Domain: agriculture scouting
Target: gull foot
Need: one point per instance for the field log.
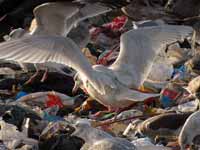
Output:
(45, 75)
(32, 78)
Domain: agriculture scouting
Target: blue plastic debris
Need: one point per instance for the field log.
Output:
(20, 94)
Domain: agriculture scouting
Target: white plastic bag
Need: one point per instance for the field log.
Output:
(11, 137)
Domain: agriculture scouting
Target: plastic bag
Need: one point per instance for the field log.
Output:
(189, 106)
(161, 71)
(12, 138)
(47, 99)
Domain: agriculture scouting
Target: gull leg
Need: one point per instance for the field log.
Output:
(117, 111)
(120, 110)
(100, 113)
(32, 78)
(45, 75)
(112, 110)
(3, 17)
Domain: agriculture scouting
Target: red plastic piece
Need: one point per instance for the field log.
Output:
(54, 100)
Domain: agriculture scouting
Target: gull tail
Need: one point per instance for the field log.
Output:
(136, 96)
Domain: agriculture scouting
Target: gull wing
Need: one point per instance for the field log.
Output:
(138, 49)
(51, 18)
(91, 10)
(58, 18)
(41, 49)
(80, 35)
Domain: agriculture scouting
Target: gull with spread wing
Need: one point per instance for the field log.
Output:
(112, 86)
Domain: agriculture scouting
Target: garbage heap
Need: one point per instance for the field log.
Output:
(44, 114)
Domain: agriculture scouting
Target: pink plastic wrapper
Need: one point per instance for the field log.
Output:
(117, 24)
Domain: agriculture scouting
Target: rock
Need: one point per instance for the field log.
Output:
(164, 125)
(191, 8)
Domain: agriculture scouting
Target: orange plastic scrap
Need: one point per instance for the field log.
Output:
(54, 100)
(144, 89)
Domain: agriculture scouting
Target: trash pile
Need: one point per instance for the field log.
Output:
(51, 106)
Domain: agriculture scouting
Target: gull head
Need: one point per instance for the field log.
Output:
(85, 131)
(15, 34)
(78, 83)
(82, 128)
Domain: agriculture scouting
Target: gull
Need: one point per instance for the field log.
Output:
(98, 139)
(58, 19)
(112, 86)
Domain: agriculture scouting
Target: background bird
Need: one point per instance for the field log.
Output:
(98, 139)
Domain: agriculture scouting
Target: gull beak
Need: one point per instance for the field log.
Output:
(76, 86)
